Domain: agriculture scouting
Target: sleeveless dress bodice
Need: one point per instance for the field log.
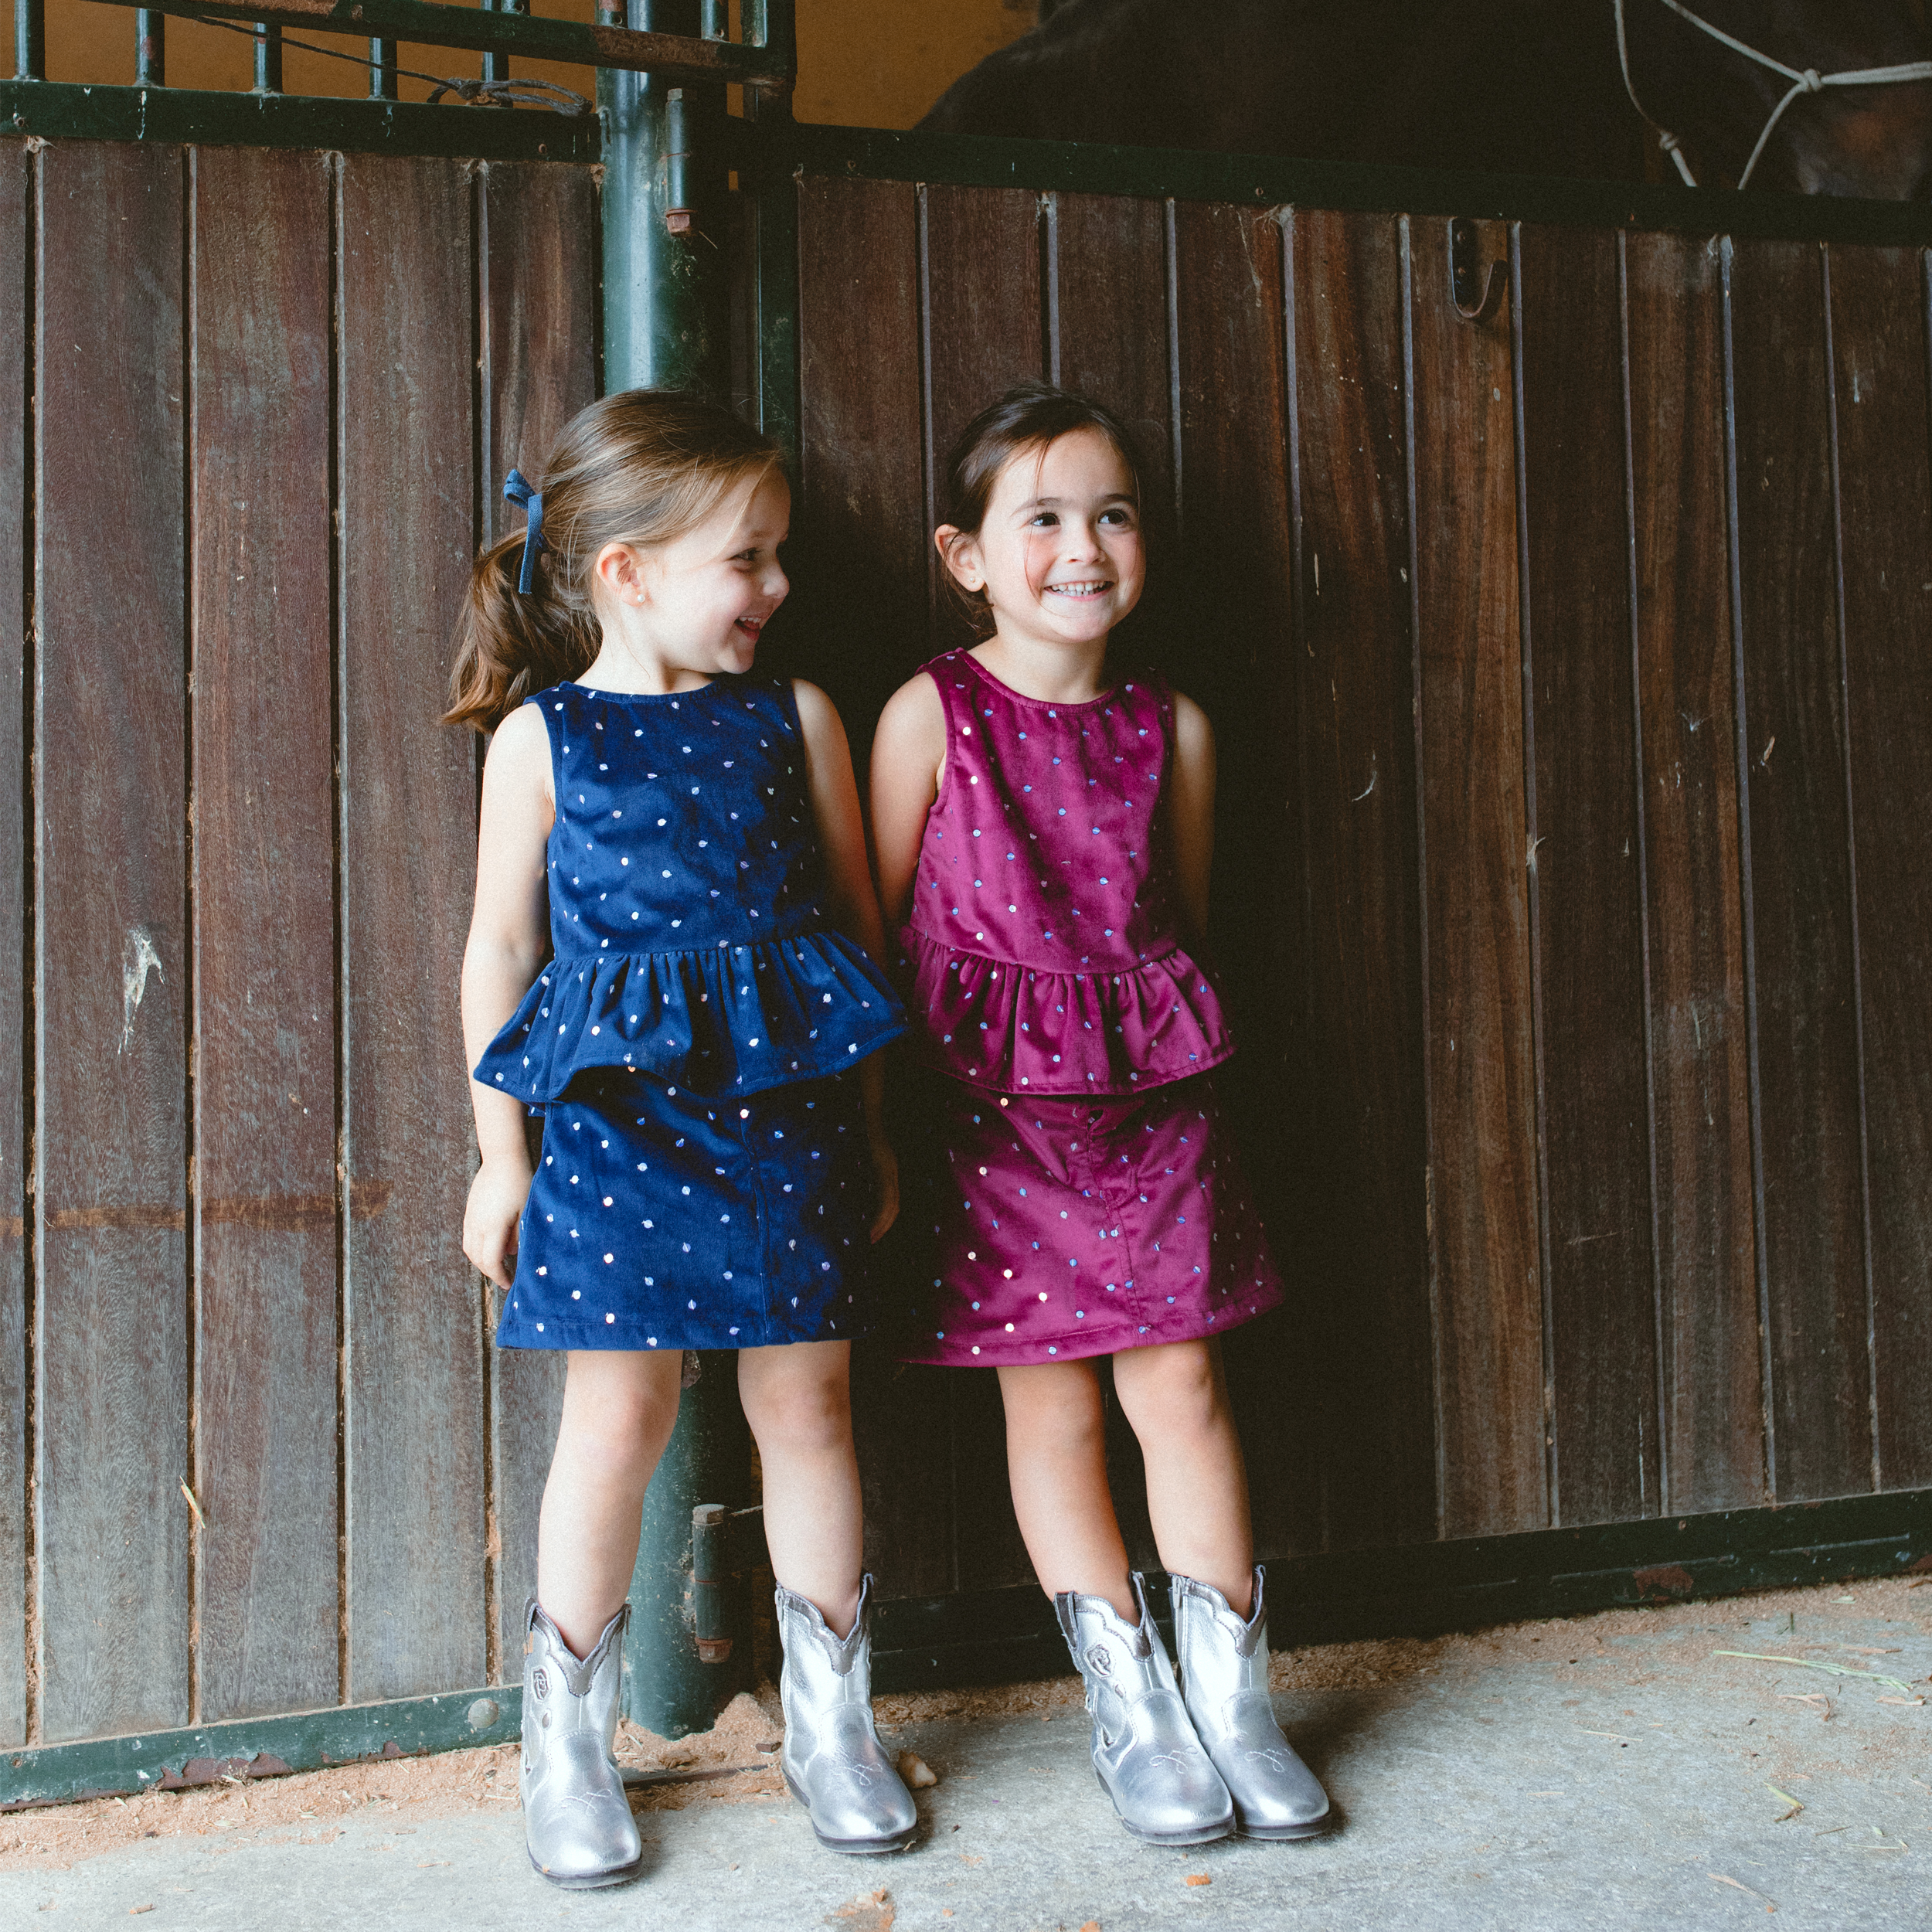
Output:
(686, 888)
(1041, 940)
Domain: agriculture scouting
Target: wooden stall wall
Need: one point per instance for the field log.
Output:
(1566, 667)
(1562, 668)
(258, 1455)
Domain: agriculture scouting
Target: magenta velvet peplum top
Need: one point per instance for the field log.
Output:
(1041, 941)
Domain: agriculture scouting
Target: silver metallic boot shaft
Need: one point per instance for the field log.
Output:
(833, 1761)
(1145, 1754)
(1224, 1674)
(576, 1820)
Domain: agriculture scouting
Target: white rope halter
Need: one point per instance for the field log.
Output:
(1808, 82)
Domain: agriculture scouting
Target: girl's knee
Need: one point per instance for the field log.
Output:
(1053, 1410)
(1175, 1389)
(798, 1413)
(618, 1414)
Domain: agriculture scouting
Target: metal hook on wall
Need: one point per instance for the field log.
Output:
(1465, 270)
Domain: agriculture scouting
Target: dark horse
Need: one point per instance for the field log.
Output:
(1524, 87)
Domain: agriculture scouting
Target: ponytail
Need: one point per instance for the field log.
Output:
(510, 645)
(642, 467)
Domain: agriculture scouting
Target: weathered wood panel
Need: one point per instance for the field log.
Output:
(16, 187)
(1233, 652)
(416, 1449)
(1106, 312)
(1109, 308)
(539, 320)
(1362, 1243)
(264, 993)
(1712, 1386)
(1585, 874)
(984, 326)
(1480, 1060)
(860, 605)
(111, 1202)
(1799, 856)
(1879, 338)
(858, 618)
(984, 330)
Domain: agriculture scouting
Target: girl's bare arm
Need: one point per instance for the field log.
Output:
(1191, 811)
(508, 941)
(855, 907)
(908, 759)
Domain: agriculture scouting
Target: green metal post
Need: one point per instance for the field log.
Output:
(667, 325)
(151, 49)
(666, 298)
(773, 196)
(29, 40)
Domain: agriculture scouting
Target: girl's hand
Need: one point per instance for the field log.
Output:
(885, 1167)
(490, 1220)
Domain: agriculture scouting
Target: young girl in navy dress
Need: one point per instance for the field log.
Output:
(1043, 826)
(669, 959)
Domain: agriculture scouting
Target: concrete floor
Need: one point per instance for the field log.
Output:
(1604, 1772)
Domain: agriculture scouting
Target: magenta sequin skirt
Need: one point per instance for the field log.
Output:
(1071, 1227)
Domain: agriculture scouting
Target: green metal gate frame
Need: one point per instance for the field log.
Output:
(662, 132)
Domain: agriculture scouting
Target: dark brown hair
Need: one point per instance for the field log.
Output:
(1030, 416)
(643, 466)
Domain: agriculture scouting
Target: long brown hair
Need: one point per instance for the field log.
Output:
(643, 466)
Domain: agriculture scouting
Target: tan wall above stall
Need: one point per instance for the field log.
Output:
(869, 63)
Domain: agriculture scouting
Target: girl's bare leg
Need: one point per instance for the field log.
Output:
(797, 1399)
(1056, 1456)
(618, 1408)
(1197, 1484)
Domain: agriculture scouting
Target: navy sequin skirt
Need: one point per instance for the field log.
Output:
(662, 1219)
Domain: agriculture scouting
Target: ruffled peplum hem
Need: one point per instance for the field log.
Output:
(1019, 1029)
(714, 1020)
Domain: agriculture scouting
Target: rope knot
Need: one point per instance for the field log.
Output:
(1812, 81)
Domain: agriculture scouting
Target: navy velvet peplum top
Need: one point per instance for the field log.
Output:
(686, 887)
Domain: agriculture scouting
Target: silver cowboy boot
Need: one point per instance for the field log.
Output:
(576, 1820)
(833, 1763)
(1145, 1754)
(1224, 1672)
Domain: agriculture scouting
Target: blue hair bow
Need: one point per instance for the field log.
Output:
(517, 490)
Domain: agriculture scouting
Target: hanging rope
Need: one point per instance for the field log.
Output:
(535, 93)
(1806, 81)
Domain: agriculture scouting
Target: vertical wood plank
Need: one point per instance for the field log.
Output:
(857, 623)
(1364, 1245)
(111, 1196)
(264, 993)
(1711, 1366)
(984, 302)
(1107, 310)
(15, 490)
(1479, 1051)
(539, 336)
(1110, 266)
(415, 1377)
(1234, 657)
(856, 620)
(1588, 870)
(1879, 339)
(1813, 1258)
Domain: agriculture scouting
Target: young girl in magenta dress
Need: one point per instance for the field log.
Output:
(1042, 824)
(668, 960)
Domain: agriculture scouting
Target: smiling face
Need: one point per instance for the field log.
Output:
(1058, 554)
(681, 613)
